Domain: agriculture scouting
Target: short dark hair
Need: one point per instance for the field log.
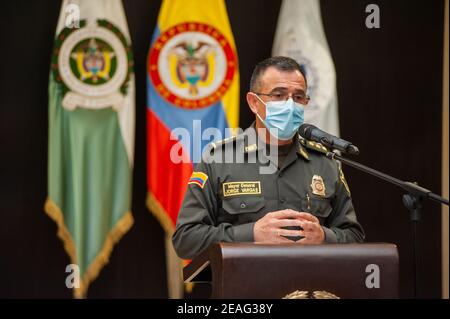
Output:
(281, 63)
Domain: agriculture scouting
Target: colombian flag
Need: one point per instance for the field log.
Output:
(193, 84)
(198, 178)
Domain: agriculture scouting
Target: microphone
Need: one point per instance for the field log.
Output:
(312, 133)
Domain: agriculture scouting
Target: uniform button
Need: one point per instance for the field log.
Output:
(243, 205)
(282, 200)
(280, 174)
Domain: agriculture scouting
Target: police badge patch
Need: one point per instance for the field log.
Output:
(318, 186)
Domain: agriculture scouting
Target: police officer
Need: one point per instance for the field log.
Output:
(281, 190)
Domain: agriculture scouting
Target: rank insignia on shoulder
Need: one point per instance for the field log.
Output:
(314, 146)
(318, 186)
(198, 178)
(344, 181)
(251, 148)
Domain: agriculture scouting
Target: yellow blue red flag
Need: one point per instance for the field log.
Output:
(193, 84)
(192, 76)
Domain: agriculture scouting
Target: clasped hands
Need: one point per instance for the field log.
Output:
(269, 229)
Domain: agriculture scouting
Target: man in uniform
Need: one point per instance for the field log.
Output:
(291, 194)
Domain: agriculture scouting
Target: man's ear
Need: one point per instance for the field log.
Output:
(252, 101)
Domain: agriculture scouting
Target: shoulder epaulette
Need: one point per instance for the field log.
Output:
(219, 145)
(314, 146)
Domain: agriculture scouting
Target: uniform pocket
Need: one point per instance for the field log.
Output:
(318, 206)
(243, 204)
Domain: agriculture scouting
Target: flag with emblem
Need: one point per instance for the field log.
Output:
(300, 35)
(91, 134)
(193, 84)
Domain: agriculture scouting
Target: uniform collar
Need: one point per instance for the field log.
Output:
(297, 148)
(300, 149)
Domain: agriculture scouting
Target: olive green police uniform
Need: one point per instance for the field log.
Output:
(225, 199)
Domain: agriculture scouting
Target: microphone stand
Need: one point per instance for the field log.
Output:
(412, 200)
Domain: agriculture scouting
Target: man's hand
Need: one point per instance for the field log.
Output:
(269, 228)
(312, 231)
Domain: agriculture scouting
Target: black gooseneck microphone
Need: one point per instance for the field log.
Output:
(312, 133)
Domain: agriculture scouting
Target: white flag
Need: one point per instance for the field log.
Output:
(300, 35)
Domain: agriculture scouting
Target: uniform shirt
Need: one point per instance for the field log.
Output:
(283, 151)
(224, 199)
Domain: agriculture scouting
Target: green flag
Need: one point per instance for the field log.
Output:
(91, 133)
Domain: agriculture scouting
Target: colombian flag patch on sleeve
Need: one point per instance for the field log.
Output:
(198, 178)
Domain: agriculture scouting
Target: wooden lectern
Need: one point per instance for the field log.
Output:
(249, 270)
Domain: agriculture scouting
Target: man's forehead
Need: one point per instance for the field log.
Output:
(273, 77)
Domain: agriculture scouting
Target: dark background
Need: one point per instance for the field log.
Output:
(389, 88)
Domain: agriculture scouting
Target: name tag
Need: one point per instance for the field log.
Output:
(241, 188)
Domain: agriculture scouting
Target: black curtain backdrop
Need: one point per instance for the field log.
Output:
(389, 84)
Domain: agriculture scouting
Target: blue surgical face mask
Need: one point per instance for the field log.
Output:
(284, 116)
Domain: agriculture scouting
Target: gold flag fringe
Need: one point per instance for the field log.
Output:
(162, 216)
(122, 226)
(160, 213)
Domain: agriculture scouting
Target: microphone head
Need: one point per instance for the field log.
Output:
(312, 133)
(352, 149)
(305, 130)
